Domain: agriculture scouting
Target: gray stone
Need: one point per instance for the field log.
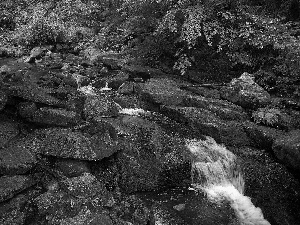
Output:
(8, 129)
(12, 185)
(245, 92)
(287, 149)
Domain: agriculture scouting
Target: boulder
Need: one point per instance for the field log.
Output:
(287, 149)
(27, 109)
(205, 92)
(126, 88)
(245, 92)
(55, 117)
(230, 133)
(3, 99)
(151, 158)
(66, 143)
(12, 185)
(100, 106)
(35, 53)
(17, 157)
(8, 129)
(71, 167)
(144, 72)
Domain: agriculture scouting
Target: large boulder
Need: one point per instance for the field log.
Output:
(151, 157)
(210, 124)
(17, 157)
(245, 92)
(9, 129)
(287, 149)
(12, 185)
(66, 143)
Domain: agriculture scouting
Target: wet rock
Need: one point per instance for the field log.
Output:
(287, 149)
(56, 117)
(66, 143)
(208, 123)
(8, 129)
(17, 157)
(100, 106)
(72, 168)
(245, 92)
(12, 185)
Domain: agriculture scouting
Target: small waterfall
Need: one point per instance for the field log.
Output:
(216, 172)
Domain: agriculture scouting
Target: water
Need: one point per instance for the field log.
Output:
(216, 173)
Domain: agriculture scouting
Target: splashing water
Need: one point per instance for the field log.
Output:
(216, 172)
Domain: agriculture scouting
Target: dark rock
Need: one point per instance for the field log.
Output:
(245, 92)
(72, 168)
(162, 92)
(76, 102)
(12, 212)
(261, 137)
(287, 149)
(35, 94)
(126, 88)
(8, 130)
(102, 106)
(78, 200)
(66, 143)
(208, 123)
(205, 92)
(12, 185)
(27, 109)
(17, 157)
(143, 72)
(224, 109)
(56, 117)
(151, 158)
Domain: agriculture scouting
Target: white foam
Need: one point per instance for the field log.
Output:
(215, 171)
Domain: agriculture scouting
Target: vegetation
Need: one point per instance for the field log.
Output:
(215, 37)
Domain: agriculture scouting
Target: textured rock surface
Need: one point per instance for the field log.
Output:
(245, 92)
(287, 149)
(8, 129)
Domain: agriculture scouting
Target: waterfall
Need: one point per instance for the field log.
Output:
(215, 172)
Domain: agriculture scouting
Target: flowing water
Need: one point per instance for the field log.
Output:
(216, 173)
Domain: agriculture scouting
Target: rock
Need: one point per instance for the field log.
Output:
(208, 123)
(78, 200)
(27, 109)
(162, 92)
(5, 69)
(144, 72)
(17, 157)
(8, 130)
(261, 137)
(12, 185)
(12, 212)
(66, 143)
(151, 158)
(287, 149)
(245, 92)
(56, 117)
(205, 92)
(72, 168)
(102, 106)
(35, 94)
(224, 109)
(126, 88)
(35, 53)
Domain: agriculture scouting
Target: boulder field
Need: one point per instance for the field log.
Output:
(81, 136)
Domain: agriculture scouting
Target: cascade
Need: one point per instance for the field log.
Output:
(215, 172)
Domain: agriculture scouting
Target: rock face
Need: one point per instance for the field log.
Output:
(8, 129)
(287, 149)
(12, 185)
(245, 92)
(17, 157)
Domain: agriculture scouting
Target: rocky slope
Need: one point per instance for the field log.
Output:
(82, 134)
